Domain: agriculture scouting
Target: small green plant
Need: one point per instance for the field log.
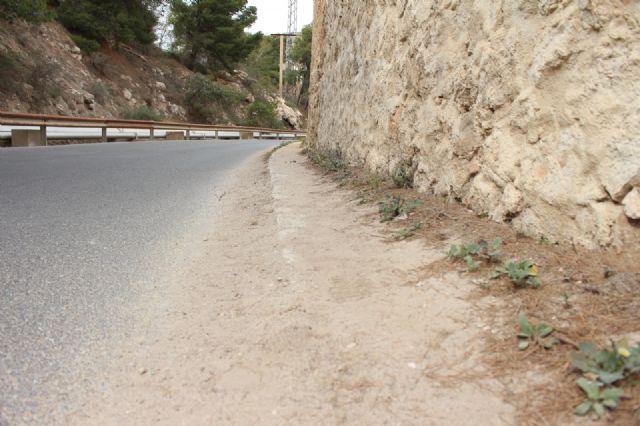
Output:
(405, 233)
(470, 252)
(539, 334)
(604, 368)
(465, 252)
(329, 160)
(491, 253)
(607, 365)
(522, 273)
(597, 400)
(144, 112)
(395, 206)
(402, 176)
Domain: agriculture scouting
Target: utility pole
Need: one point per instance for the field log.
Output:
(286, 42)
(281, 86)
(292, 28)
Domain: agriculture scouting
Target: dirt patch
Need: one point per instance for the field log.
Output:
(296, 310)
(585, 296)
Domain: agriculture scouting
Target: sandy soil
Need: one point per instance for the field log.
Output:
(297, 310)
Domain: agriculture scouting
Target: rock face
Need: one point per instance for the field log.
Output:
(526, 110)
(289, 115)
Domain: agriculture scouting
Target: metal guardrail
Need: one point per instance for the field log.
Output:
(43, 121)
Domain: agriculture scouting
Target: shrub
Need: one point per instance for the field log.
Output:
(99, 90)
(10, 70)
(328, 159)
(208, 99)
(42, 78)
(144, 112)
(110, 20)
(35, 11)
(402, 176)
(263, 114)
(87, 45)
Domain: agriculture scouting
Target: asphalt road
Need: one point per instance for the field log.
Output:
(83, 230)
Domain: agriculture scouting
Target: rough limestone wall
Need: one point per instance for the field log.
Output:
(526, 110)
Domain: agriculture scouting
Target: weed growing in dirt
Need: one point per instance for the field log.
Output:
(395, 206)
(597, 401)
(471, 252)
(523, 273)
(329, 160)
(604, 368)
(539, 334)
(405, 233)
(402, 176)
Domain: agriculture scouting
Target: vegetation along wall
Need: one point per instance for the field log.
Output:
(525, 110)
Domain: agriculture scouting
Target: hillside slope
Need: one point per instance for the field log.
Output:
(43, 71)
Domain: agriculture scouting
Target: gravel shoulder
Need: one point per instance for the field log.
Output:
(296, 309)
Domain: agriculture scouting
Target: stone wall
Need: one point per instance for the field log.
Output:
(526, 110)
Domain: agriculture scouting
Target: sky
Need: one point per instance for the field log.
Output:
(273, 15)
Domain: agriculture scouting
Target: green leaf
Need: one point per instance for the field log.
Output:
(612, 393)
(579, 361)
(523, 345)
(496, 243)
(471, 264)
(543, 330)
(495, 274)
(609, 378)
(611, 403)
(583, 409)
(587, 347)
(599, 409)
(591, 388)
(525, 327)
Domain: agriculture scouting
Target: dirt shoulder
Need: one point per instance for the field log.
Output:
(298, 310)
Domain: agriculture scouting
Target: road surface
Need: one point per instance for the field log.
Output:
(84, 231)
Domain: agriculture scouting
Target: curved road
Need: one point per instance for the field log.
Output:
(84, 230)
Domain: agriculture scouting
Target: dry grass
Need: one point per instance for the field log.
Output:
(576, 298)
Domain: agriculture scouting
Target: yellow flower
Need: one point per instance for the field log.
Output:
(624, 352)
(533, 271)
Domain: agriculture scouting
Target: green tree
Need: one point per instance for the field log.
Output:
(210, 34)
(301, 55)
(115, 21)
(263, 64)
(35, 11)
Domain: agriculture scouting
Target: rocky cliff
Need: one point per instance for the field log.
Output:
(525, 110)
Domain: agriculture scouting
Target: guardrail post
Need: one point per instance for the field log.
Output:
(188, 137)
(43, 135)
(216, 135)
(104, 135)
(152, 134)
